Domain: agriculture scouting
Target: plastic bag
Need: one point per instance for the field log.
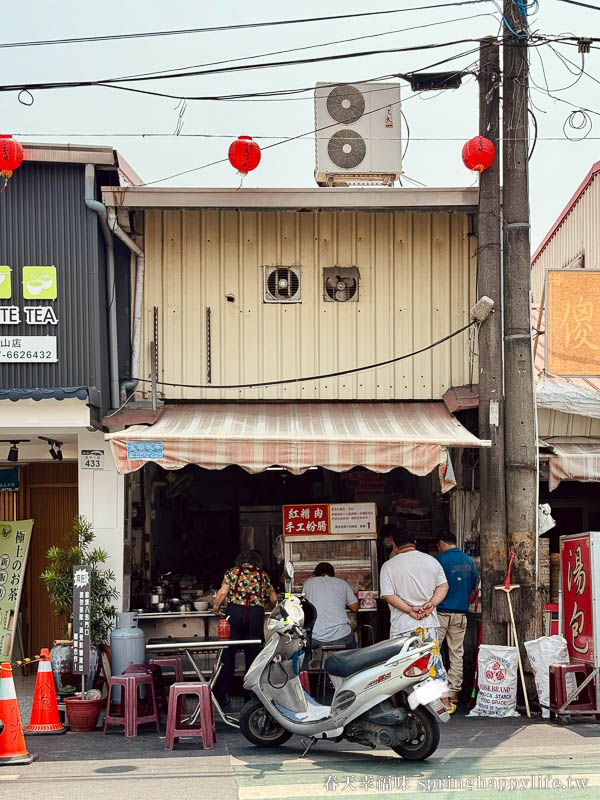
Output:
(545, 519)
(498, 669)
(541, 653)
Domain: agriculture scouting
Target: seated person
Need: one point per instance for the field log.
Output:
(332, 597)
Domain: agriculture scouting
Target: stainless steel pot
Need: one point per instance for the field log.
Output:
(157, 598)
(159, 606)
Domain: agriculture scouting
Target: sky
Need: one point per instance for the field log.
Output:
(439, 122)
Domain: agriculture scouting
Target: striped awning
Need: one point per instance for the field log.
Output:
(573, 458)
(297, 436)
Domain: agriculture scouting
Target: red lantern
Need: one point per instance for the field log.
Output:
(244, 154)
(11, 157)
(478, 153)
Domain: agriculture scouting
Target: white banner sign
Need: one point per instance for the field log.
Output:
(353, 518)
(27, 348)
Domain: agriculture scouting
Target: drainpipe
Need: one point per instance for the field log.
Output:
(113, 353)
(130, 385)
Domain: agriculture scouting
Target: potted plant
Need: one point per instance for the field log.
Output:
(58, 578)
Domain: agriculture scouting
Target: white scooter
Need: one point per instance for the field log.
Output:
(384, 695)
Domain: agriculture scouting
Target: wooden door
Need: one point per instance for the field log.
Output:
(52, 504)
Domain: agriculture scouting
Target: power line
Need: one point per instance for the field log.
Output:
(111, 82)
(338, 374)
(237, 27)
(578, 3)
(312, 46)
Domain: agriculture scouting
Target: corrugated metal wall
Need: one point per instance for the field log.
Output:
(580, 232)
(555, 423)
(44, 222)
(417, 285)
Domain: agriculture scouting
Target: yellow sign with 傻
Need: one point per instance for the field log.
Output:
(573, 322)
(39, 283)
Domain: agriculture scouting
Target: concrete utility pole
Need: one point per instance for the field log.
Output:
(520, 430)
(492, 518)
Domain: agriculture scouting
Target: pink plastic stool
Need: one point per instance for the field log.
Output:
(155, 671)
(131, 716)
(170, 662)
(205, 727)
(558, 688)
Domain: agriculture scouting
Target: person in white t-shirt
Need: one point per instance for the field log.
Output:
(333, 598)
(413, 584)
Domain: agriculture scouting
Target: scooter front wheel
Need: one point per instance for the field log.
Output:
(426, 736)
(259, 727)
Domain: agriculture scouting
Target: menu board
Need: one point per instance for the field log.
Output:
(353, 517)
(14, 547)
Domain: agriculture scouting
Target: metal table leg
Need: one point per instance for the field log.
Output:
(211, 680)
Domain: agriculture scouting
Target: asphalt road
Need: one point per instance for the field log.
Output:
(479, 758)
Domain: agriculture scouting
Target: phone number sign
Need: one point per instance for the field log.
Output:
(27, 348)
(307, 519)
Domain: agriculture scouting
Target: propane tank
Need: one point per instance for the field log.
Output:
(224, 629)
(127, 645)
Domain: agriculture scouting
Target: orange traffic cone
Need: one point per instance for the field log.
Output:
(44, 712)
(12, 741)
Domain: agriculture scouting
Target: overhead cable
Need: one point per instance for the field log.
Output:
(236, 27)
(338, 374)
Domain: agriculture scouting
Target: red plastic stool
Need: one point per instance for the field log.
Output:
(170, 662)
(205, 727)
(131, 717)
(155, 671)
(585, 701)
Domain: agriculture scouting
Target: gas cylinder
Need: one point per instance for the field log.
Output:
(224, 630)
(127, 645)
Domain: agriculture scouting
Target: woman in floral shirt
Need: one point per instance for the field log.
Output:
(246, 589)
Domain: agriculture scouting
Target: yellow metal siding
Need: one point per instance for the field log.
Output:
(417, 283)
(579, 232)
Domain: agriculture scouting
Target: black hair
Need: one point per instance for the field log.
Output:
(403, 537)
(252, 557)
(324, 568)
(387, 530)
(446, 536)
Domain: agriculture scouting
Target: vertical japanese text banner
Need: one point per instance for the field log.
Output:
(578, 621)
(14, 546)
(82, 585)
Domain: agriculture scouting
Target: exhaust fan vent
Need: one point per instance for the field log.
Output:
(340, 284)
(282, 285)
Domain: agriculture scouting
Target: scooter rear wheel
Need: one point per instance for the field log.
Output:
(427, 736)
(259, 727)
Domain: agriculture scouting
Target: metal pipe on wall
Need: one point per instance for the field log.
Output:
(113, 224)
(100, 209)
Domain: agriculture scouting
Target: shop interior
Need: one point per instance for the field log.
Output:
(189, 525)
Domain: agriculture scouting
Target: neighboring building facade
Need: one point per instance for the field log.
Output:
(568, 407)
(55, 369)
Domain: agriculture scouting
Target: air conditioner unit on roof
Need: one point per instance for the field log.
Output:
(358, 136)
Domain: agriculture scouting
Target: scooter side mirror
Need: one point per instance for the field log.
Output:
(289, 577)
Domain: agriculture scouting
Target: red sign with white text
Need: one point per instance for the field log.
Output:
(576, 577)
(308, 519)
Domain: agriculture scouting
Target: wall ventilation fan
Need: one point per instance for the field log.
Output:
(281, 285)
(340, 284)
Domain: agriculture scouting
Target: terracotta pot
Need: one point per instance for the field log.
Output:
(82, 715)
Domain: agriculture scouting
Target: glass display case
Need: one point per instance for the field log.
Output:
(354, 558)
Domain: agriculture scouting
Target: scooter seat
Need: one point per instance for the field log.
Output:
(347, 662)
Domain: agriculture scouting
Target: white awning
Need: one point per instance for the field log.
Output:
(297, 436)
(573, 458)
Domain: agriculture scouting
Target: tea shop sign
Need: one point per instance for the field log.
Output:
(580, 576)
(29, 349)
